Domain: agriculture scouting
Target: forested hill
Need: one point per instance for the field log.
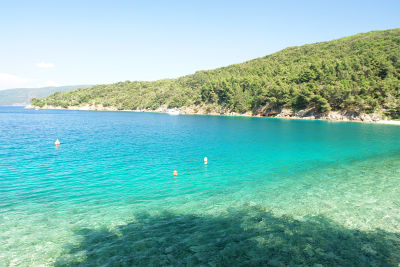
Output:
(22, 96)
(359, 73)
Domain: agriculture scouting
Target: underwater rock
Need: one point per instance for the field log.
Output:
(202, 256)
(309, 252)
(275, 262)
(171, 258)
(331, 255)
(169, 249)
(198, 248)
(366, 248)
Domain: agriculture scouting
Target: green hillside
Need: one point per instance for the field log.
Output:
(22, 96)
(359, 73)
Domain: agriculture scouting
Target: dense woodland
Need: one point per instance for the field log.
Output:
(360, 73)
(22, 96)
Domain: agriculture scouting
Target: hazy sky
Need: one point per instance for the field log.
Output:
(88, 42)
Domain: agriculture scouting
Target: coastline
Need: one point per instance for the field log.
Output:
(334, 116)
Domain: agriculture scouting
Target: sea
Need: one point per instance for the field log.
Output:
(274, 192)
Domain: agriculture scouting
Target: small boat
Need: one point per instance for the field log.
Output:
(173, 111)
(36, 109)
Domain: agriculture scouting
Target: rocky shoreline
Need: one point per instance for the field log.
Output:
(307, 114)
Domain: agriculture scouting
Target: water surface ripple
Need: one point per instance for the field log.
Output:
(274, 192)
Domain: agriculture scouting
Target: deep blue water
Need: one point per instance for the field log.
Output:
(112, 176)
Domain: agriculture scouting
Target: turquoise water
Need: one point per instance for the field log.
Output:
(274, 192)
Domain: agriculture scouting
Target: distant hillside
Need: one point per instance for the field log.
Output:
(360, 73)
(23, 96)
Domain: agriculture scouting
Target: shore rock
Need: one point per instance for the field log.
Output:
(309, 114)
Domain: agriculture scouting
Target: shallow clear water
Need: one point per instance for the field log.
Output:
(274, 192)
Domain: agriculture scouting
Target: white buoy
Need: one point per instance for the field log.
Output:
(57, 142)
(205, 160)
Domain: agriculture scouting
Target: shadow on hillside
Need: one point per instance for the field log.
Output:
(250, 236)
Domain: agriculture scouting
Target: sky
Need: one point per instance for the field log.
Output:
(50, 43)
